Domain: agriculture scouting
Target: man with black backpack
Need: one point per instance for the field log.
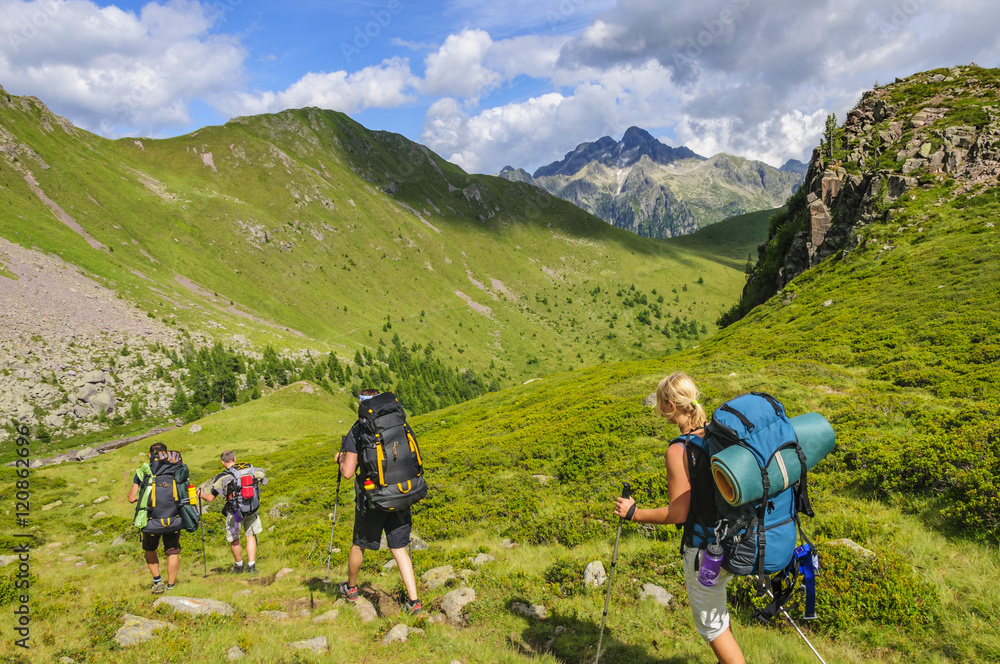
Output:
(240, 483)
(155, 488)
(382, 449)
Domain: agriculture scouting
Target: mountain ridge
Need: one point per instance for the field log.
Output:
(654, 190)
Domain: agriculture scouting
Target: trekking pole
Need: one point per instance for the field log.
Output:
(626, 492)
(201, 519)
(785, 613)
(329, 551)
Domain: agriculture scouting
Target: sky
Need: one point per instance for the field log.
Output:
(489, 84)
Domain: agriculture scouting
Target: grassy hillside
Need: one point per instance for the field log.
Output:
(304, 229)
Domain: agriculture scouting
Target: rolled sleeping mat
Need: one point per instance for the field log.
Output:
(737, 473)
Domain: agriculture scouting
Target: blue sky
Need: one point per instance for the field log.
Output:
(486, 84)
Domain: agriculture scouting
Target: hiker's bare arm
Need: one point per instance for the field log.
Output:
(348, 463)
(205, 495)
(133, 493)
(678, 490)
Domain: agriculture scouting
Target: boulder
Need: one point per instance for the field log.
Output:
(454, 602)
(234, 653)
(137, 629)
(481, 559)
(594, 575)
(658, 594)
(365, 610)
(104, 401)
(317, 645)
(399, 634)
(196, 606)
(436, 577)
(529, 611)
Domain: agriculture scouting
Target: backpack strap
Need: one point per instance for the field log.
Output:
(694, 507)
(147, 476)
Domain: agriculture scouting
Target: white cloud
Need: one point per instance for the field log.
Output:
(115, 71)
(383, 86)
(456, 69)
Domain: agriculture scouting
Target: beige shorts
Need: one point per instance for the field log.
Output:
(708, 603)
(251, 526)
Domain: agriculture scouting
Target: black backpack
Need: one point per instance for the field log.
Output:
(168, 480)
(388, 455)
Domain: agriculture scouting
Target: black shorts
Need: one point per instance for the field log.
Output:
(370, 523)
(171, 542)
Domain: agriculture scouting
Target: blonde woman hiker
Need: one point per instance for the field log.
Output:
(691, 494)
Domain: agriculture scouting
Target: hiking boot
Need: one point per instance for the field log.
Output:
(414, 607)
(348, 593)
(251, 569)
(236, 569)
(159, 588)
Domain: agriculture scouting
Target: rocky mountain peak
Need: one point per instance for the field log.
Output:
(635, 144)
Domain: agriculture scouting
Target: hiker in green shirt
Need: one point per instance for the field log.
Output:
(151, 542)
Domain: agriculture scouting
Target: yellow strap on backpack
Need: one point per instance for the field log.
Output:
(381, 463)
(407, 489)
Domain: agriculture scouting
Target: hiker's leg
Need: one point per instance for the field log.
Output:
(354, 560)
(233, 537)
(173, 564)
(397, 536)
(172, 550)
(726, 650)
(251, 549)
(252, 526)
(153, 562)
(150, 543)
(406, 571)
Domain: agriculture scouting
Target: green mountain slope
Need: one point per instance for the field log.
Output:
(306, 231)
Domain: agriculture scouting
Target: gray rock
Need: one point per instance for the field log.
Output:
(119, 540)
(137, 629)
(454, 602)
(282, 573)
(417, 544)
(851, 545)
(437, 577)
(658, 594)
(53, 421)
(650, 401)
(101, 499)
(195, 428)
(317, 645)
(275, 615)
(532, 611)
(196, 606)
(392, 564)
(234, 654)
(87, 453)
(99, 515)
(95, 376)
(507, 544)
(7, 560)
(399, 634)
(482, 559)
(85, 394)
(365, 610)
(81, 412)
(104, 401)
(46, 508)
(594, 575)
(329, 616)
